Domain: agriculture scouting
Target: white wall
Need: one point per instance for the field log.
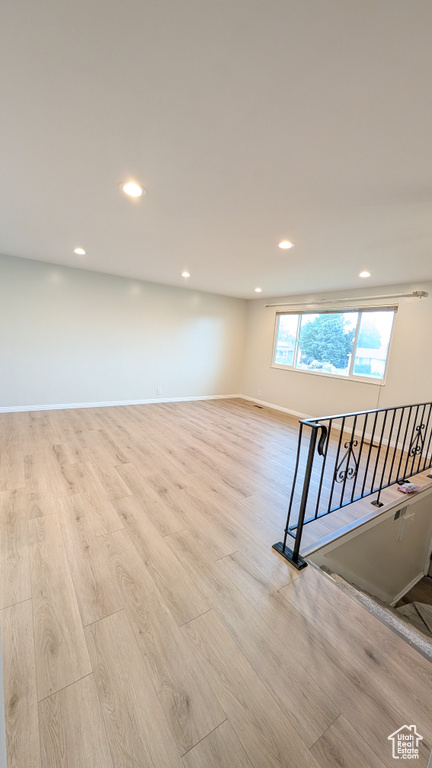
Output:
(386, 556)
(74, 336)
(409, 371)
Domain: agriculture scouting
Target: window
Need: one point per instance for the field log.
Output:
(353, 343)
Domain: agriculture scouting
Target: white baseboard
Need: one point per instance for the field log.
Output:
(275, 407)
(111, 404)
(147, 401)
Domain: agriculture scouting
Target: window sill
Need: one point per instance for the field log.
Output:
(358, 379)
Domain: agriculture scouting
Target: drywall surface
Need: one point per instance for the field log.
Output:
(409, 369)
(387, 556)
(75, 336)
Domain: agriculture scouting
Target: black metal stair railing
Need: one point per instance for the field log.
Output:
(344, 458)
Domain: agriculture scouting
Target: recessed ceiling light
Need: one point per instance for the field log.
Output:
(258, 290)
(285, 244)
(185, 274)
(132, 189)
(365, 273)
(79, 251)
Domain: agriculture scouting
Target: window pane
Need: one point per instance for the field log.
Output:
(373, 343)
(286, 339)
(326, 342)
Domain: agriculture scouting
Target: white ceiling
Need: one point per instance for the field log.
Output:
(247, 121)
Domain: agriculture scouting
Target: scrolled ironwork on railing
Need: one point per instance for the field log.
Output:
(344, 458)
(350, 471)
(417, 444)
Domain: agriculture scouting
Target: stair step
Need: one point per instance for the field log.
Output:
(425, 612)
(419, 615)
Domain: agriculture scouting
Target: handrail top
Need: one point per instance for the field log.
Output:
(316, 421)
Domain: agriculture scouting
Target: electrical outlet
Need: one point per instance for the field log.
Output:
(258, 391)
(159, 390)
(400, 513)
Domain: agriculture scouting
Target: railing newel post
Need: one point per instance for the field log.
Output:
(294, 555)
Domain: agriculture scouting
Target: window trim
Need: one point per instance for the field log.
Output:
(350, 376)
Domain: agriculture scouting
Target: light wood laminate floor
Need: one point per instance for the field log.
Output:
(145, 619)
